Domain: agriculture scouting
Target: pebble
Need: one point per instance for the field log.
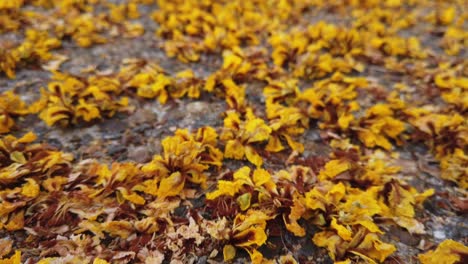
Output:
(197, 107)
(144, 116)
(139, 154)
(202, 260)
(439, 234)
(114, 149)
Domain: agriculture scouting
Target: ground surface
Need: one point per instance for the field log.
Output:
(406, 132)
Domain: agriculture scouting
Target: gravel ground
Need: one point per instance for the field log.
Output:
(136, 136)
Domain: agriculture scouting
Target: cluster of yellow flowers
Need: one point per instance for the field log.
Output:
(69, 99)
(192, 27)
(10, 15)
(26, 168)
(36, 47)
(305, 75)
(11, 105)
(73, 19)
(88, 191)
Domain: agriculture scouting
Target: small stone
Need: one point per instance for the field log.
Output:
(139, 154)
(114, 149)
(439, 234)
(142, 116)
(197, 107)
(180, 211)
(202, 260)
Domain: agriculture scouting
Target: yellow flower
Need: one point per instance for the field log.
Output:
(329, 240)
(237, 66)
(35, 47)
(229, 252)
(15, 221)
(183, 51)
(87, 111)
(15, 259)
(259, 179)
(70, 99)
(446, 16)
(186, 84)
(454, 167)
(54, 114)
(11, 4)
(244, 201)
(332, 101)
(129, 196)
(334, 168)
(120, 228)
(448, 251)
(10, 106)
(281, 91)
(99, 261)
(85, 30)
(153, 86)
(8, 62)
(235, 95)
(186, 157)
(366, 246)
(285, 122)
(249, 232)
(171, 186)
(359, 208)
(399, 202)
(297, 210)
(240, 136)
(341, 230)
(30, 189)
(379, 124)
(325, 194)
(372, 247)
(224, 188)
